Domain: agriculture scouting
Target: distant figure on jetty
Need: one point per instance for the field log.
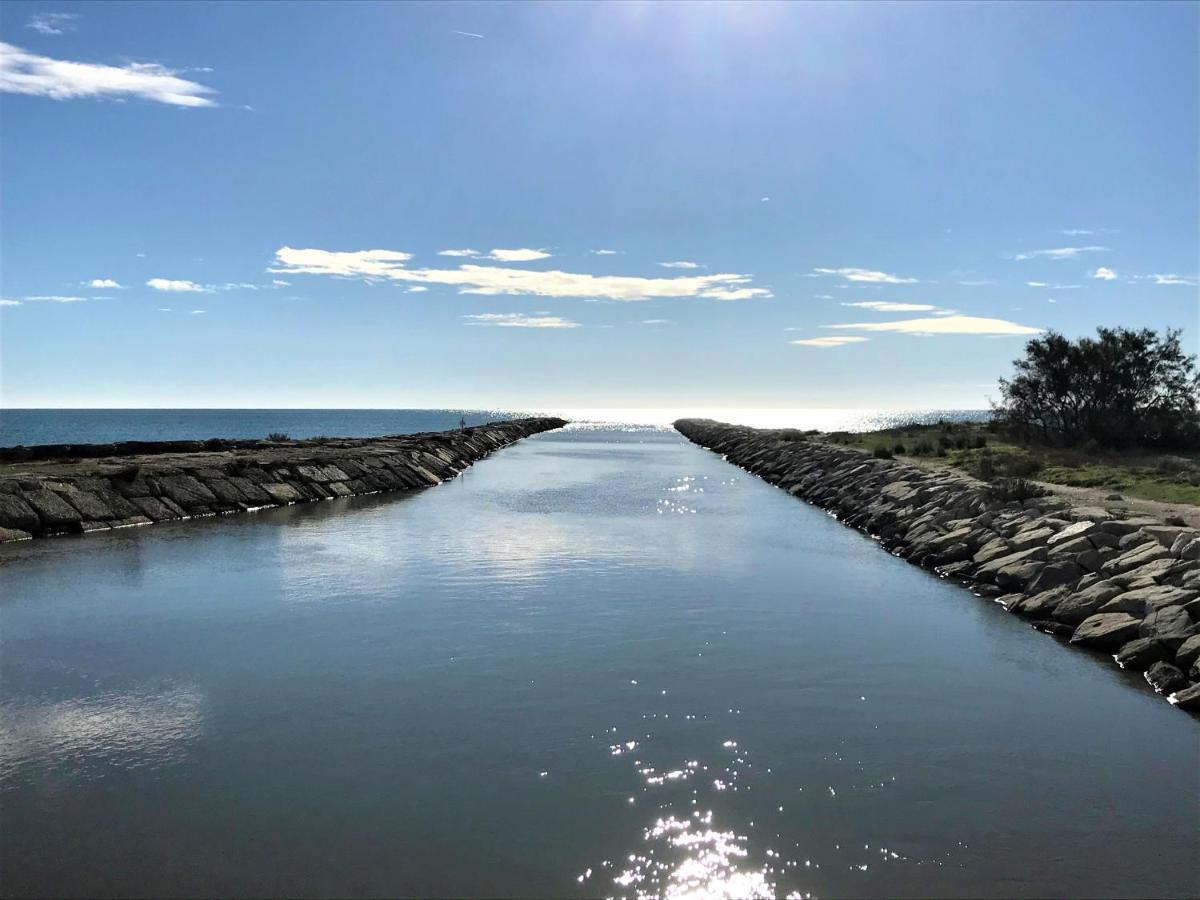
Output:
(462, 423)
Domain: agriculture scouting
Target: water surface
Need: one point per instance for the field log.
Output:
(600, 663)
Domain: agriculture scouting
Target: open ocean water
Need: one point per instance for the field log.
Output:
(96, 426)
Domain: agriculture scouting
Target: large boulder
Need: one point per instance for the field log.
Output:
(1106, 631)
(993, 549)
(1187, 698)
(1141, 653)
(1135, 558)
(1165, 678)
(1188, 652)
(1186, 546)
(1074, 609)
(18, 515)
(1171, 625)
(1041, 605)
(1057, 574)
(1078, 531)
(1143, 601)
(987, 572)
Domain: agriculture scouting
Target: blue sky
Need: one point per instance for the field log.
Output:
(878, 203)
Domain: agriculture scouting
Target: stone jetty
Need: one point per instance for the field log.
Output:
(1098, 579)
(75, 489)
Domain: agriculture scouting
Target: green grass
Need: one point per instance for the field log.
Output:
(980, 450)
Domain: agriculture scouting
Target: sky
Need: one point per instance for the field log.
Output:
(546, 205)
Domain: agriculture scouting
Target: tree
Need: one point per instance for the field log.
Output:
(1120, 388)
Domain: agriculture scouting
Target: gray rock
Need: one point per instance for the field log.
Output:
(54, 512)
(1183, 548)
(1075, 608)
(1072, 533)
(1188, 652)
(1106, 631)
(1164, 534)
(1041, 605)
(18, 515)
(1187, 698)
(1141, 653)
(1132, 559)
(1171, 625)
(987, 572)
(1056, 574)
(1144, 601)
(1165, 678)
(993, 549)
(13, 534)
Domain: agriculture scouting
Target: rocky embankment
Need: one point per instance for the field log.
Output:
(53, 491)
(1122, 586)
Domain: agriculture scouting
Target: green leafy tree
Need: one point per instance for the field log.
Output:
(1120, 388)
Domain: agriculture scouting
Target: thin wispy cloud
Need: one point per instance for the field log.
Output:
(52, 23)
(178, 285)
(840, 340)
(416, 289)
(886, 306)
(22, 72)
(1105, 274)
(494, 280)
(868, 275)
(680, 264)
(197, 312)
(1060, 252)
(104, 283)
(1053, 287)
(6, 302)
(279, 282)
(1076, 232)
(522, 254)
(764, 199)
(982, 282)
(470, 34)
(943, 325)
(1188, 280)
(519, 320)
(54, 298)
(604, 252)
(655, 321)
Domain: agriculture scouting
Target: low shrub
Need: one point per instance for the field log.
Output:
(881, 453)
(278, 436)
(791, 434)
(899, 449)
(1006, 490)
(923, 447)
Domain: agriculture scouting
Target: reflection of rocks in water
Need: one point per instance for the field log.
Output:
(129, 730)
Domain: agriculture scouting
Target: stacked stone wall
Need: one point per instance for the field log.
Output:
(63, 489)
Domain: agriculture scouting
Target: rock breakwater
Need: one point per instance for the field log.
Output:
(54, 491)
(1125, 586)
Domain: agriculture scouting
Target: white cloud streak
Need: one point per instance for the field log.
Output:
(604, 252)
(886, 306)
(103, 283)
(54, 298)
(680, 264)
(177, 285)
(22, 72)
(1174, 279)
(1105, 274)
(867, 275)
(52, 23)
(496, 280)
(840, 340)
(943, 325)
(1059, 252)
(519, 320)
(6, 302)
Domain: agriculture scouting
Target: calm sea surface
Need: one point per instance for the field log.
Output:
(600, 663)
(94, 426)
